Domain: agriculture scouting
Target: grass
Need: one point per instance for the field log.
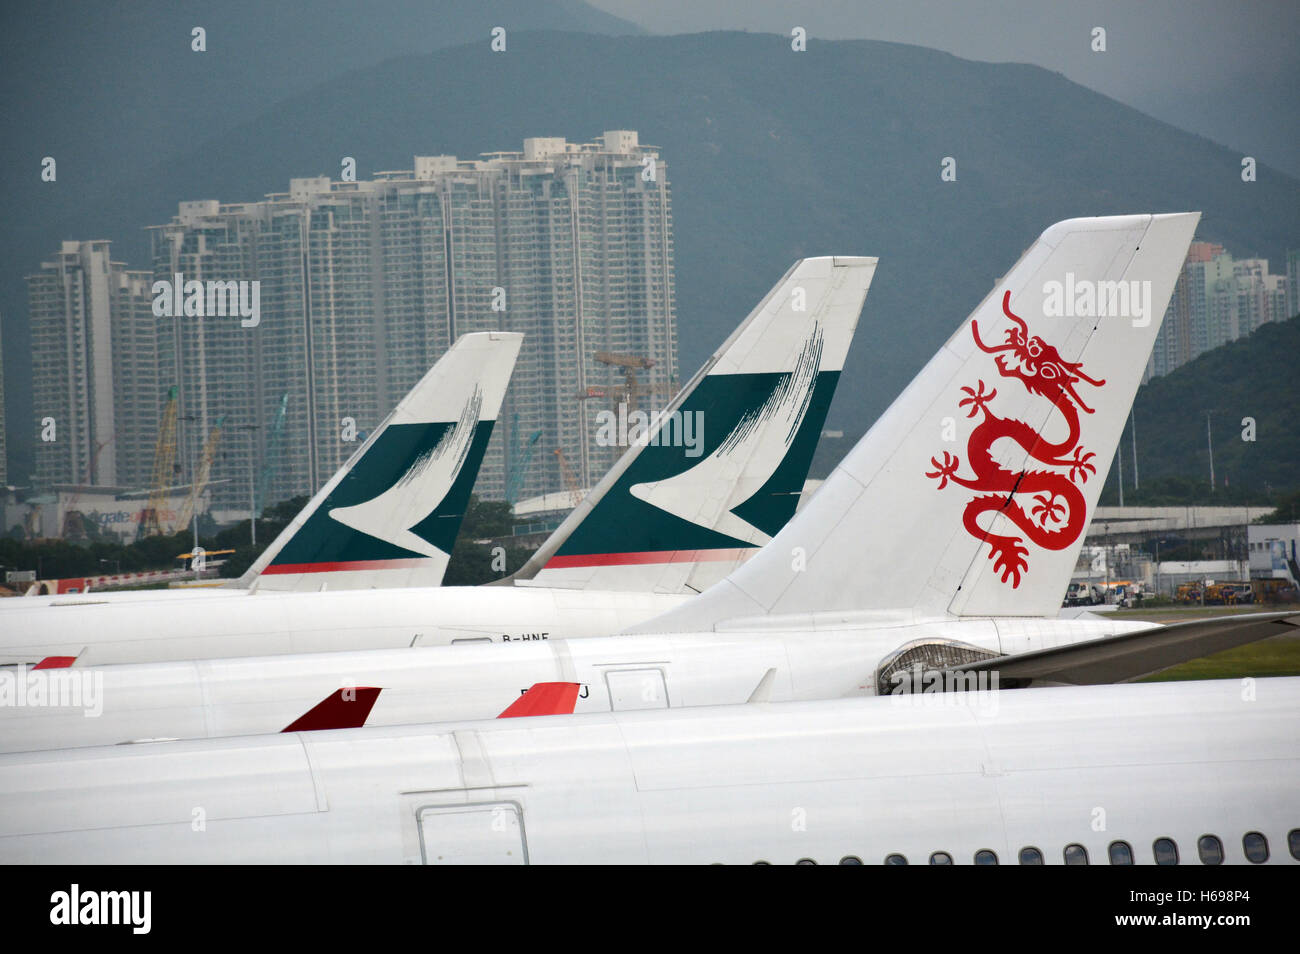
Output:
(1275, 656)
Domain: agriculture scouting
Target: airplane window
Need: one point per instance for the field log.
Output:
(1210, 849)
(1031, 856)
(1166, 851)
(762, 862)
(941, 858)
(1256, 847)
(985, 857)
(1076, 855)
(1293, 843)
(850, 860)
(900, 860)
(805, 861)
(1121, 853)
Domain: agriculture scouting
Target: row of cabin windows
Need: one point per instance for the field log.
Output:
(1208, 848)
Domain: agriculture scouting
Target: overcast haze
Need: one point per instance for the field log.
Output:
(139, 121)
(1228, 71)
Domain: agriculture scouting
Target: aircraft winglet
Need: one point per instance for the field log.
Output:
(341, 709)
(544, 698)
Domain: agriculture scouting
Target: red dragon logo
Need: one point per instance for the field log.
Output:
(1060, 512)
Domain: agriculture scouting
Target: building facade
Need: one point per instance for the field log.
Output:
(94, 357)
(1218, 299)
(363, 285)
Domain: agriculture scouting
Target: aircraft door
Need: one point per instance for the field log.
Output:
(489, 833)
(636, 689)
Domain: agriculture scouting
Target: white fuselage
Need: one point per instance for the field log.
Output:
(825, 782)
(23, 604)
(227, 697)
(242, 623)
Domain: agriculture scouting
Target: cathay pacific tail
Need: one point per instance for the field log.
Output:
(390, 515)
(719, 472)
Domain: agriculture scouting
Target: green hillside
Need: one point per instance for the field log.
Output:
(1255, 377)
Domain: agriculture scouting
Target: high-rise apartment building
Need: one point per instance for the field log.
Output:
(1216, 299)
(1292, 282)
(363, 285)
(94, 354)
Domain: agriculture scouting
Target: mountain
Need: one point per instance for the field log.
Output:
(1257, 379)
(99, 85)
(771, 154)
(110, 90)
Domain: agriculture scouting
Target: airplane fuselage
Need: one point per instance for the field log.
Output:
(227, 697)
(266, 624)
(1194, 773)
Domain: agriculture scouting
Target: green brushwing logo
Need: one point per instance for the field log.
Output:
(404, 498)
(623, 522)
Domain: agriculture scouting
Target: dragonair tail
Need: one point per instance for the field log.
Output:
(971, 494)
(390, 515)
(719, 472)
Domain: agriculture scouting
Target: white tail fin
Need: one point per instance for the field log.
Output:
(971, 494)
(720, 471)
(390, 515)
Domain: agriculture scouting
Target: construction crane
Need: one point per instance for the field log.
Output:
(570, 481)
(164, 463)
(632, 388)
(200, 481)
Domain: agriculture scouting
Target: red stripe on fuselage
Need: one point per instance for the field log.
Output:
(275, 568)
(649, 557)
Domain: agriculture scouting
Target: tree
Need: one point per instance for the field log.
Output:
(480, 554)
(1288, 510)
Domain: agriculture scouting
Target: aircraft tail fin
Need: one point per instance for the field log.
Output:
(706, 483)
(389, 516)
(971, 494)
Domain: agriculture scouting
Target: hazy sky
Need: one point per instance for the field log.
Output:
(1226, 70)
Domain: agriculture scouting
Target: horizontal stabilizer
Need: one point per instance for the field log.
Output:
(544, 698)
(341, 709)
(1131, 656)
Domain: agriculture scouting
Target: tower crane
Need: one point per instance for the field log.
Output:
(201, 475)
(164, 463)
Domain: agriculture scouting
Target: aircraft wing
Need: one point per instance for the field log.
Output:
(1131, 656)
